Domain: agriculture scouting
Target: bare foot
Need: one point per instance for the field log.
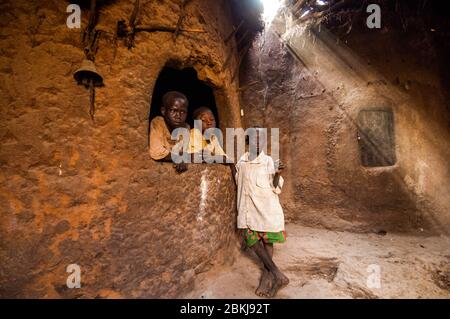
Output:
(264, 285)
(279, 281)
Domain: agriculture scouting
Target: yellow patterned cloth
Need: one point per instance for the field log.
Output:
(198, 143)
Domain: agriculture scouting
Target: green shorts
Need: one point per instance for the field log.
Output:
(252, 237)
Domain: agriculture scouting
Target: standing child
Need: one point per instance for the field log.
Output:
(259, 211)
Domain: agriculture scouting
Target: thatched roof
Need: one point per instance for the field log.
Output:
(434, 14)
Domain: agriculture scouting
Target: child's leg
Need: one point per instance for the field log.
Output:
(269, 249)
(275, 285)
(265, 283)
(279, 278)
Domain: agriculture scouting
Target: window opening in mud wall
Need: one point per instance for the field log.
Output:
(376, 137)
(185, 81)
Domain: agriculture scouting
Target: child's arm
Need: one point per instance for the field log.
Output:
(233, 172)
(157, 148)
(276, 178)
(180, 167)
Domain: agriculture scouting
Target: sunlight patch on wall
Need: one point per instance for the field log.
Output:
(270, 9)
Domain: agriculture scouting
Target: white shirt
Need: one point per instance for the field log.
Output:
(258, 204)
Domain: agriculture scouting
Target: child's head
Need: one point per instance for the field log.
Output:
(175, 108)
(258, 136)
(206, 116)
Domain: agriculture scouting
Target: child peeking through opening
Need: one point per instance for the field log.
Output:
(206, 148)
(174, 112)
(260, 214)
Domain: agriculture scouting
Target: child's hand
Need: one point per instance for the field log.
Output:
(181, 167)
(279, 166)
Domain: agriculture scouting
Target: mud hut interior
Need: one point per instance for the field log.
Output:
(362, 104)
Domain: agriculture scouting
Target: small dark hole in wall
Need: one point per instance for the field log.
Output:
(185, 81)
(376, 137)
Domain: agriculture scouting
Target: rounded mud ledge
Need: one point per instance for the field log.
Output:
(184, 224)
(187, 223)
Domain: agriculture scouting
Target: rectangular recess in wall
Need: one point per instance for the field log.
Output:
(376, 137)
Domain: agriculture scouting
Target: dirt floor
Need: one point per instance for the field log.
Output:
(327, 264)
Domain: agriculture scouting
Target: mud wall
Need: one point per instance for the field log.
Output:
(312, 83)
(77, 192)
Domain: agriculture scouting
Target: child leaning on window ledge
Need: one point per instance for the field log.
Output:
(209, 149)
(174, 113)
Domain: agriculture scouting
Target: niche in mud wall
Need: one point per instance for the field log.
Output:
(376, 137)
(185, 81)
